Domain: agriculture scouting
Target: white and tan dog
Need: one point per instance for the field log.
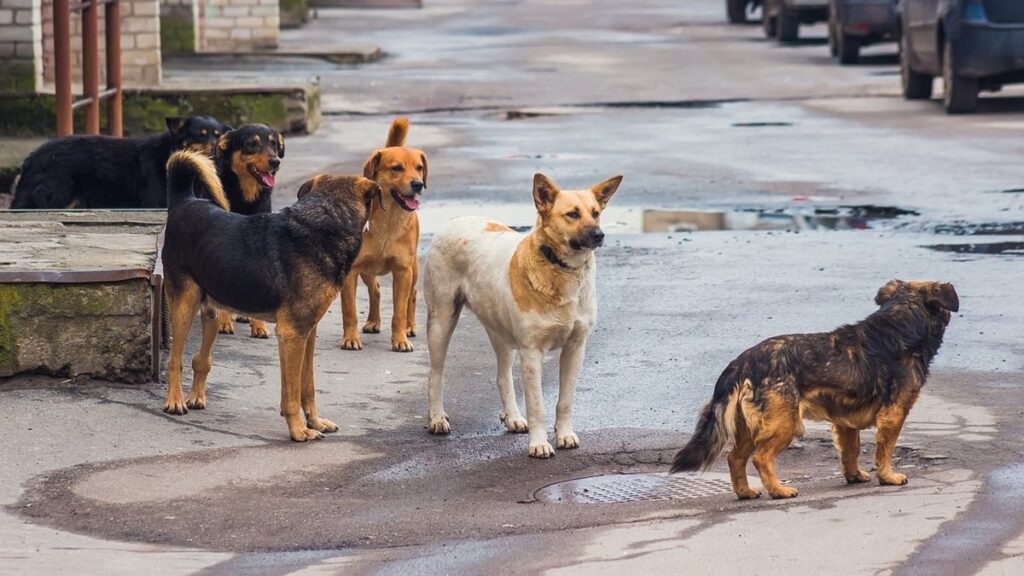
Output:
(532, 294)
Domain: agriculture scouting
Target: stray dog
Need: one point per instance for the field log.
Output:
(248, 159)
(106, 172)
(390, 242)
(532, 294)
(861, 375)
(283, 267)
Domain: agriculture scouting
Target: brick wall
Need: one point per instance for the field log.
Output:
(20, 46)
(238, 25)
(140, 44)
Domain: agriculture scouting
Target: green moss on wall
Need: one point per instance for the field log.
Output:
(177, 35)
(17, 77)
(294, 13)
(9, 300)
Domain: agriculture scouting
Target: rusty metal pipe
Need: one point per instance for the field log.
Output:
(112, 15)
(90, 67)
(62, 66)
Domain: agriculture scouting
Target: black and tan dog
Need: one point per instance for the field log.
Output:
(105, 172)
(248, 159)
(858, 376)
(284, 267)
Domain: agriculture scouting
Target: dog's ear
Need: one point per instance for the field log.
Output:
(372, 165)
(222, 144)
(544, 192)
(280, 145)
(423, 158)
(943, 295)
(886, 293)
(175, 124)
(603, 192)
(307, 186)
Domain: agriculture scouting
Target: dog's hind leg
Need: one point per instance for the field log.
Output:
(738, 458)
(203, 359)
(569, 363)
(292, 343)
(349, 337)
(373, 321)
(401, 288)
(778, 425)
(313, 419)
(531, 362)
(442, 316)
(183, 301)
(510, 415)
(847, 441)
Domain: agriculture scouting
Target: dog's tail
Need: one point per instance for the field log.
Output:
(399, 130)
(183, 169)
(716, 426)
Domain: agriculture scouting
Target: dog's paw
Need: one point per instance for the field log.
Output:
(567, 441)
(780, 492)
(401, 345)
(176, 406)
(226, 326)
(196, 402)
(351, 343)
(305, 434)
(892, 479)
(242, 319)
(440, 425)
(259, 329)
(541, 450)
(748, 493)
(515, 424)
(859, 477)
(371, 327)
(321, 425)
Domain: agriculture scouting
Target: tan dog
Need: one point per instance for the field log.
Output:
(390, 242)
(532, 293)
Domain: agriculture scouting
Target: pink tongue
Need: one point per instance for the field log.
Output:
(268, 179)
(411, 203)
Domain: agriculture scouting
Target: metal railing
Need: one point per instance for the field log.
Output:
(90, 65)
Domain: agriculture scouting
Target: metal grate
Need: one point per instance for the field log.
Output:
(620, 488)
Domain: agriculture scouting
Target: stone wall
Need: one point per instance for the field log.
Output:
(238, 25)
(140, 44)
(20, 46)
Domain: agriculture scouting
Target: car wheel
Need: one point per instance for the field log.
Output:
(960, 94)
(788, 24)
(916, 86)
(736, 10)
(848, 48)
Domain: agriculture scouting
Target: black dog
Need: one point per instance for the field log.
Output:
(857, 376)
(247, 162)
(105, 172)
(285, 267)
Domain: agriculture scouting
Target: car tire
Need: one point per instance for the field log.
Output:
(916, 86)
(959, 93)
(736, 10)
(848, 48)
(788, 26)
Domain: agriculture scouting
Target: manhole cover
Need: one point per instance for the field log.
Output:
(619, 488)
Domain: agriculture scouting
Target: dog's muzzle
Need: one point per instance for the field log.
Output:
(588, 239)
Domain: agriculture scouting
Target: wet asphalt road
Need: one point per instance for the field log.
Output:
(696, 115)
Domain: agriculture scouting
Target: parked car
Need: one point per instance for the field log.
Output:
(973, 44)
(856, 23)
(738, 10)
(782, 18)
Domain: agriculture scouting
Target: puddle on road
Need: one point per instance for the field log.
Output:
(761, 124)
(636, 220)
(1007, 248)
(981, 229)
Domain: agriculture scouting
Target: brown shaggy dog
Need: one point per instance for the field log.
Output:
(858, 376)
(390, 242)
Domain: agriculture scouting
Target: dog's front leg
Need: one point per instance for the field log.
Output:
(531, 361)
(570, 361)
(399, 324)
(889, 423)
(292, 351)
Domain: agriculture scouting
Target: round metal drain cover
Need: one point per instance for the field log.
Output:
(620, 488)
